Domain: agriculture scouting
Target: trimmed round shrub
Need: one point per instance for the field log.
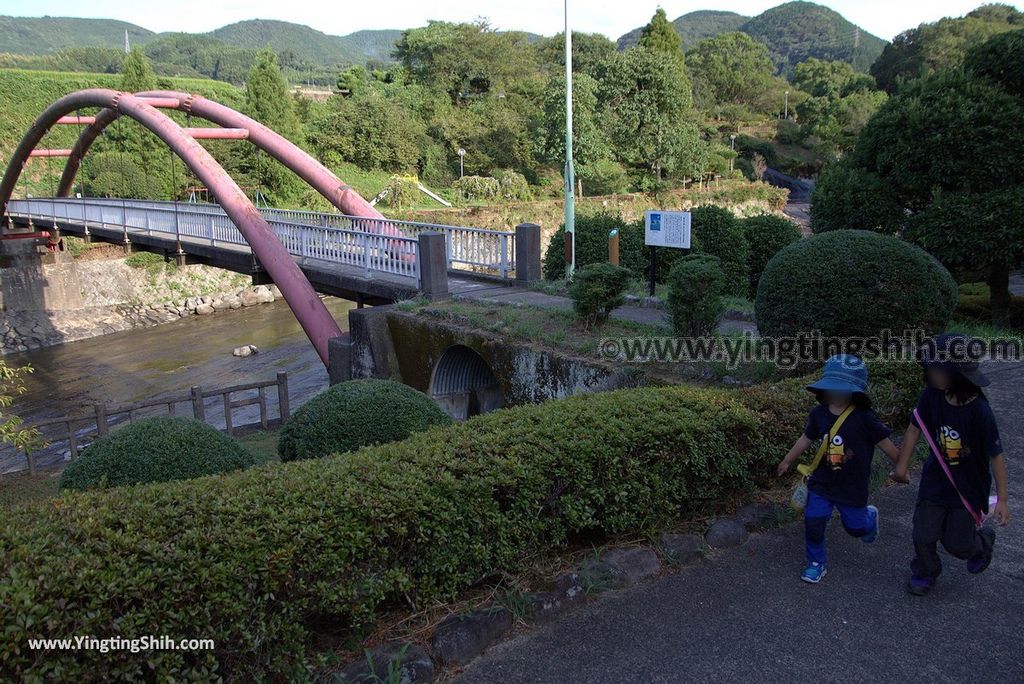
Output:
(766, 235)
(696, 285)
(597, 289)
(155, 450)
(354, 414)
(716, 231)
(853, 283)
(592, 245)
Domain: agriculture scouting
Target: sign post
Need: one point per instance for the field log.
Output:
(665, 229)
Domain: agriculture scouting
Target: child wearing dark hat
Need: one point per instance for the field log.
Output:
(953, 497)
(843, 474)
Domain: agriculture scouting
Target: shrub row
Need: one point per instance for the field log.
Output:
(254, 559)
(743, 246)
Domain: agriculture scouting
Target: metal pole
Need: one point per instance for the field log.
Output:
(570, 176)
(786, 115)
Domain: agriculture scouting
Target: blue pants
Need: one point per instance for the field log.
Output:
(857, 521)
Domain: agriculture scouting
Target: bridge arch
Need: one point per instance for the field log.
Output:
(313, 316)
(322, 179)
(464, 385)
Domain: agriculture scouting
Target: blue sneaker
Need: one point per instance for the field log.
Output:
(873, 534)
(813, 573)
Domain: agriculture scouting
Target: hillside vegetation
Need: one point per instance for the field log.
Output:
(793, 32)
(48, 35)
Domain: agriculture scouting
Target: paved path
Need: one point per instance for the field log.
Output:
(743, 615)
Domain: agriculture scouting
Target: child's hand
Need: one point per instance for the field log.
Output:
(899, 476)
(1001, 513)
(782, 469)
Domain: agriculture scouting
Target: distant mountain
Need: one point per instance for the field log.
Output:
(792, 31)
(796, 31)
(375, 45)
(694, 27)
(47, 35)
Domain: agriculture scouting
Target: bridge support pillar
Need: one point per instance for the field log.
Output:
(528, 253)
(339, 359)
(433, 263)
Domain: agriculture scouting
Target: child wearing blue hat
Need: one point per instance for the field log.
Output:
(965, 453)
(850, 431)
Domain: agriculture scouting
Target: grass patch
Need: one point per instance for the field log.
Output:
(21, 488)
(263, 445)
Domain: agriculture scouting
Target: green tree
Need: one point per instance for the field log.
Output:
(465, 60)
(942, 45)
(648, 105)
(946, 146)
(831, 80)
(591, 147)
(268, 101)
(660, 36)
(589, 52)
(12, 428)
(731, 68)
(1000, 59)
(136, 72)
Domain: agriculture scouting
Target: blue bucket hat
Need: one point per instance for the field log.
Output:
(843, 373)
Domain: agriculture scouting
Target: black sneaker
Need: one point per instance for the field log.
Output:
(919, 586)
(980, 563)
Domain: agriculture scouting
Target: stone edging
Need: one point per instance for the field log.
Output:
(461, 637)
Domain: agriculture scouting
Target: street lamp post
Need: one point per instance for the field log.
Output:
(462, 166)
(570, 176)
(732, 146)
(786, 115)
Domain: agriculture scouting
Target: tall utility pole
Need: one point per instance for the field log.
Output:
(570, 175)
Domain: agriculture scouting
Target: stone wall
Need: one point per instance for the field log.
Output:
(49, 299)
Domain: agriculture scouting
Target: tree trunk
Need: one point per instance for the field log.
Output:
(999, 294)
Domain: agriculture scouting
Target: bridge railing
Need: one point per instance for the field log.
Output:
(468, 248)
(373, 252)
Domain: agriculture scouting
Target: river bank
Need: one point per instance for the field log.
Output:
(54, 299)
(133, 365)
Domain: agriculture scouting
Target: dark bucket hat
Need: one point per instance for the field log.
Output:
(949, 352)
(843, 373)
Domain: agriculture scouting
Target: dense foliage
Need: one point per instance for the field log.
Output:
(256, 560)
(696, 285)
(766, 235)
(853, 283)
(930, 48)
(597, 289)
(592, 233)
(942, 165)
(355, 414)
(716, 231)
(155, 450)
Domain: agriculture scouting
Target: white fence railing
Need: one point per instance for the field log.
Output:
(470, 249)
(393, 254)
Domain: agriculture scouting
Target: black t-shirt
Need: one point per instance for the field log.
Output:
(844, 473)
(968, 438)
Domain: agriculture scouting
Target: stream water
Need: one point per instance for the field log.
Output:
(138, 365)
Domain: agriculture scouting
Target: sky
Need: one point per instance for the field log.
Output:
(884, 18)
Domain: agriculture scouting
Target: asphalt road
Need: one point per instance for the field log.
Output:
(743, 614)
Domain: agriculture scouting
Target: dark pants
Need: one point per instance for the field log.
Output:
(953, 526)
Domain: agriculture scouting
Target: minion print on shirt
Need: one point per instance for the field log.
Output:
(837, 452)
(952, 446)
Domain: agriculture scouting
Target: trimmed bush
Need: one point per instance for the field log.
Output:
(155, 450)
(597, 289)
(853, 283)
(716, 231)
(477, 188)
(253, 559)
(766, 235)
(512, 185)
(592, 244)
(696, 285)
(355, 414)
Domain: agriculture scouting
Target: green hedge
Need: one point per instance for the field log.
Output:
(592, 244)
(853, 283)
(355, 414)
(766, 236)
(155, 450)
(596, 290)
(254, 559)
(695, 304)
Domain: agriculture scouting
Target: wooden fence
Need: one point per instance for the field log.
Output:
(70, 428)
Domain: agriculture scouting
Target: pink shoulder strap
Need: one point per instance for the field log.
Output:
(978, 517)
